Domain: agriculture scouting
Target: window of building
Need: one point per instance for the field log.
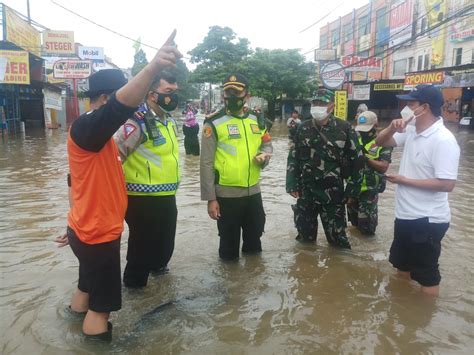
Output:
(364, 25)
(335, 37)
(323, 41)
(382, 19)
(457, 56)
(427, 62)
(420, 63)
(424, 24)
(399, 67)
(348, 32)
(411, 64)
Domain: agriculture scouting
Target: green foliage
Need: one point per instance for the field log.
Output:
(186, 90)
(273, 73)
(219, 53)
(139, 61)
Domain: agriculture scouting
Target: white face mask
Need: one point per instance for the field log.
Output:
(408, 113)
(319, 112)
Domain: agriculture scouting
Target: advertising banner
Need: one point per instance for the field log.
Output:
(332, 75)
(361, 92)
(436, 12)
(401, 16)
(72, 69)
(91, 53)
(412, 80)
(462, 29)
(340, 108)
(58, 42)
(19, 32)
(17, 68)
(388, 87)
(324, 54)
(355, 63)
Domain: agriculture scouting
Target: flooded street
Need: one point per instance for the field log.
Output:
(292, 299)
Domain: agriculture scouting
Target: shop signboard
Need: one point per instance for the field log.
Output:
(361, 92)
(356, 63)
(324, 55)
(401, 16)
(19, 32)
(340, 104)
(17, 67)
(58, 42)
(433, 77)
(388, 87)
(91, 53)
(332, 75)
(72, 69)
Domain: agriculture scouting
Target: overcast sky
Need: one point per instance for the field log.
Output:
(267, 24)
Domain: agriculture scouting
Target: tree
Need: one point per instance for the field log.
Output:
(219, 53)
(186, 90)
(273, 73)
(139, 59)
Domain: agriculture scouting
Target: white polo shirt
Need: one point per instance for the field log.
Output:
(434, 153)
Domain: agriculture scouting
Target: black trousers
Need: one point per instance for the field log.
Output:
(191, 140)
(244, 214)
(152, 224)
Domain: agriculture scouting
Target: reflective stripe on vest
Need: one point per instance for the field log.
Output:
(154, 170)
(238, 142)
(373, 153)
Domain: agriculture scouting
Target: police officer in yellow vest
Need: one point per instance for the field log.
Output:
(149, 152)
(235, 147)
(363, 211)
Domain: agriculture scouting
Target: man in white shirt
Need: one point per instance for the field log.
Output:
(428, 171)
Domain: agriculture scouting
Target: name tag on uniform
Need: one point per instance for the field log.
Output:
(255, 129)
(159, 139)
(233, 130)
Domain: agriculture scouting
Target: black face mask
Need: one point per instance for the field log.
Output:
(234, 103)
(367, 136)
(167, 102)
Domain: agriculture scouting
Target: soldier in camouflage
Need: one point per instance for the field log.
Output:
(326, 152)
(362, 211)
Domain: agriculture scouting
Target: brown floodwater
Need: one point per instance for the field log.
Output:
(292, 299)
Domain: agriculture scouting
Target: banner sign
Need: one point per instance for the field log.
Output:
(332, 75)
(52, 100)
(361, 92)
(401, 14)
(324, 54)
(91, 53)
(19, 32)
(58, 42)
(340, 108)
(17, 68)
(388, 87)
(412, 80)
(355, 63)
(72, 69)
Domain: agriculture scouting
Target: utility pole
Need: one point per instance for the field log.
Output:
(28, 11)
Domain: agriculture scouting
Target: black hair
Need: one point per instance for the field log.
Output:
(436, 111)
(95, 96)
(167, 76)
(294, 111)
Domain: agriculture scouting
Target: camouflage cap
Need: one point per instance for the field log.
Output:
(324, 95)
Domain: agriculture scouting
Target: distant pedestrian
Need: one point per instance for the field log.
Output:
(190, 131)
(292, 123)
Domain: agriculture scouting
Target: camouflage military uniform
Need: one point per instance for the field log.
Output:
(363, 211)
(316, 164)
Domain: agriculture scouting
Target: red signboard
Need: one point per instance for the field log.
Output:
(400, 22)
(356, 63)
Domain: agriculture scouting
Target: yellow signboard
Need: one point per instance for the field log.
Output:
(388, 87)
(340, 109)
(19, 32)
(17, 68)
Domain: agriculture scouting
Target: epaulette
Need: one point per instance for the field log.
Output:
(214, 115)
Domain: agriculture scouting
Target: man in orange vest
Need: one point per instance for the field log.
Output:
(97, 190)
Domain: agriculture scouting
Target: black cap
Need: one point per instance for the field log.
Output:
(426, 94)
(236, 81)
(105, 82)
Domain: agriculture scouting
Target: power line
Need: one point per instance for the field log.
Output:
(322, 18)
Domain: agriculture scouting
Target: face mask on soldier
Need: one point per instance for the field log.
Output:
(319, 112)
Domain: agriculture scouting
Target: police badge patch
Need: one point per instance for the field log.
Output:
(128, 129)
(255, 129)
(233, 130)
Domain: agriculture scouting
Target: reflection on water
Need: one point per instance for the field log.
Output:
(292, 299)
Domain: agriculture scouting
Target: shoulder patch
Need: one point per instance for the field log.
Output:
(207, 131)
(128, 129)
